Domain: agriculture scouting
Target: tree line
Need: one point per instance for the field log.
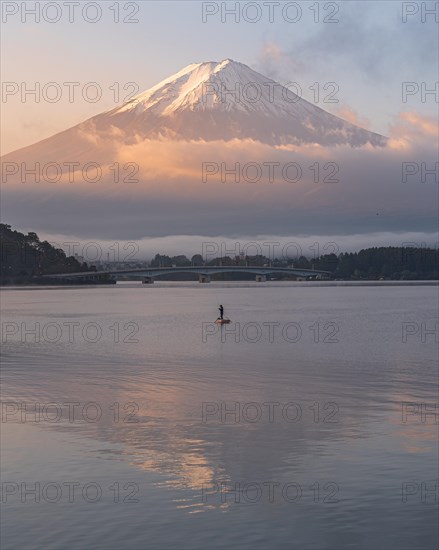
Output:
(387, 263)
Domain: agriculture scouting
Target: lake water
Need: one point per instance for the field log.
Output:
(131, 420)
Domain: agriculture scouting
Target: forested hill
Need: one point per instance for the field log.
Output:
(24, 257)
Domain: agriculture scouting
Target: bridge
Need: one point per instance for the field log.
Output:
(205, 273)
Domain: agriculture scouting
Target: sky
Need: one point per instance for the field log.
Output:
(356, 55)
(368, 54)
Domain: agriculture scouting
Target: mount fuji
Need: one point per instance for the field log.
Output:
(209, 101)
(214, 138)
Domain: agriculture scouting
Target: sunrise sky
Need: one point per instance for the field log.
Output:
(348, 58)
(368, 53)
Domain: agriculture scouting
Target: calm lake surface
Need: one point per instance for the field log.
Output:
(131, 420)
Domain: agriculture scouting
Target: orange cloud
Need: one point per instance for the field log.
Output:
(272, 51)
(426, 125)
(352, 116)
(412, 128)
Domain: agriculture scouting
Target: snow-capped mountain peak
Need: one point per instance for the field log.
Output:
(223, 86)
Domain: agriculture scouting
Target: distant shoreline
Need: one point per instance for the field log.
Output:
(159, 283)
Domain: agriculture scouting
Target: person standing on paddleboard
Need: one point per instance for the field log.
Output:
(221, 310)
